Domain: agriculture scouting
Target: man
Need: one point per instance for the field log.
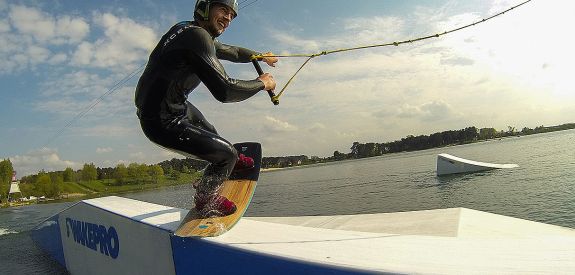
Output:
(185, 56)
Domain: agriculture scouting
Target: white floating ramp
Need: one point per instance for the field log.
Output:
(115, 235)
(448, 164)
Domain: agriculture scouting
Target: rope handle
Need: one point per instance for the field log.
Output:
(275, 99)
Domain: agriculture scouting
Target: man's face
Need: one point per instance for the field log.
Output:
(219, 19)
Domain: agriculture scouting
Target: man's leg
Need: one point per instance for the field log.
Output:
(193, 141)
(222, 157)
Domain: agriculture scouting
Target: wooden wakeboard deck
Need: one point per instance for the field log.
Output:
(238, 191)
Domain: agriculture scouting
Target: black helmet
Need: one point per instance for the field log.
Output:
(203, 6)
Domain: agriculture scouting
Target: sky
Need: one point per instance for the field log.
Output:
(69, 68)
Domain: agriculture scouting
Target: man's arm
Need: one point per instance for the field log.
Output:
(202, 56)
(242, 55)
(234, 53)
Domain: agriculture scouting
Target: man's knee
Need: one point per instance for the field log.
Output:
(227, 156)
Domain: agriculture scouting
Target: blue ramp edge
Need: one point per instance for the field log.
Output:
(200, 256)
(47, 237)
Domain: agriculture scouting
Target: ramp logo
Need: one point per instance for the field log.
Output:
(94, 236)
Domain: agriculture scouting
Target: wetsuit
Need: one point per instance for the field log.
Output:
(185, 56)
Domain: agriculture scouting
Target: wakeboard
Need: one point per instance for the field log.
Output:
(239, 188)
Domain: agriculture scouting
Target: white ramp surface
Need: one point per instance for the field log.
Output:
(473, 242)
(443, 241)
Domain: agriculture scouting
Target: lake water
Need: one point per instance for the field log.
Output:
(541, 189)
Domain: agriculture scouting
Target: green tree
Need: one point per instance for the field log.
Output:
(186, 170)
(42, 184)
(511, 131)
(68, 175)
(143, 173)
(175, 175)
(338, 156)
(6, 171)
(487, 133)
(157, 173)
(355, 149)
(121, 174)
(527, 131)
(89, 172)
(54, 188)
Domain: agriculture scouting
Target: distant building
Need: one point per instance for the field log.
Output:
(14, 193)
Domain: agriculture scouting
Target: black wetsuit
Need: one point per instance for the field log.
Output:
(185, 56)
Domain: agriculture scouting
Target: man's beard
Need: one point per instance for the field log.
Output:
(213, 30)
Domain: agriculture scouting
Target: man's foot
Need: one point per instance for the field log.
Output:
(214, 205)
(243, 163)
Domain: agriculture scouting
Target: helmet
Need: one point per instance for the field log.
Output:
(203, 6)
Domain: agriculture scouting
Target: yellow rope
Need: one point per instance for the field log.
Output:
(311, 56)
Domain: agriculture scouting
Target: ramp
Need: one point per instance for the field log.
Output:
(123, 236)
(448, 164)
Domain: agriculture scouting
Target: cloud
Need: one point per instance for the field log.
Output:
(317, 127)
(125, 43)
(4, 26)
(104, 150)
(368, 30)
(363, 30)
(47, 159)
(462, 61)
(45, 28)
(275, 125)
(106, 130)
(430, 112)
(138, 156)
(297, 44)
(31, 37)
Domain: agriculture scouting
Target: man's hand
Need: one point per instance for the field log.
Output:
(269, 59)
(268, 81)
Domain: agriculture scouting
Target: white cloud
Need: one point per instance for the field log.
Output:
(140, 156)
(316, 127)
(365, 31)
(292, 41)
(275, 125)
(4, 26)
(125, 43)
(434, 111)
(37, 54)
(104, 150)
(71, 30)
(368, 30)
(46, 28)
(58, 59)
(46, 158)
(30, 37)
(106, 130)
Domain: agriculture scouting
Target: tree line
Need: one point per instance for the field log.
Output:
(51, 184)
(440, 139)
(413, 143)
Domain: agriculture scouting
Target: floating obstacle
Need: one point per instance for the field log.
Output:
(115, 235)
(448, 164)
